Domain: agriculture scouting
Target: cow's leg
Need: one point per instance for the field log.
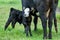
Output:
(35, 22)
(42, 12)
(51, 16)
(50, 25)
(44, 24)
(13, 23)
(8, 22)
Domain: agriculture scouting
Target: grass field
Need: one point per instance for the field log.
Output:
(18, 32)
(59, 4)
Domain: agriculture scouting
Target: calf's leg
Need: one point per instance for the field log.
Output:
(8, 22)
(35, 22)
(13, 23)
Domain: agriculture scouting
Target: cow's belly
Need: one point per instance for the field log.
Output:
(42, 5)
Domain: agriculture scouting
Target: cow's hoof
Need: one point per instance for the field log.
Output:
(26, 35)
(49, 37)
(44, 38)
(35, 29)
(56, 30)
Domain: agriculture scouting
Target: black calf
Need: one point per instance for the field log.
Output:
(16, 16)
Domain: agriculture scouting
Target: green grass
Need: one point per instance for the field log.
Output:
(18, 32)
(59, 3)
